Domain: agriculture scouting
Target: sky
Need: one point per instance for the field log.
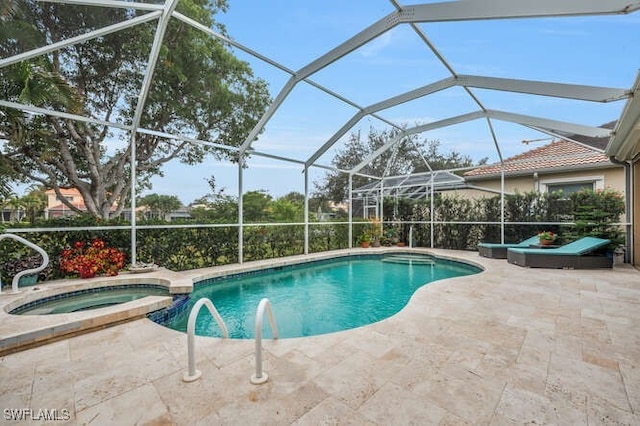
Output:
(599, 51)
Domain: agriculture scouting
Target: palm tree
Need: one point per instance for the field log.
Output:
(32, 82)
(34, 202)
(16, 205)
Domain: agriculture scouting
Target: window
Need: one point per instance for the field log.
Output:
(569, 188)
(571, 185)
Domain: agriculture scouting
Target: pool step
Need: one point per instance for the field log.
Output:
(408, 260)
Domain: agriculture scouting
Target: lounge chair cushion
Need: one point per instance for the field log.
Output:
(575, 255)
(577, 248)
(499, 251)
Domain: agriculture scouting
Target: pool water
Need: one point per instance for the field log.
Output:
(319, 297)
(94, 298)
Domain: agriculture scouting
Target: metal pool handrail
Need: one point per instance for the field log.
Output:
(193, 374)
(16, 278)
(259, 377)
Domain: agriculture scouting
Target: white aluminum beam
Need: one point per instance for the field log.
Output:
(186, 139)
(551, 125)
(42, 111)
(387, 103)
(79, 39)
(284, 92)
(333, 139)
(232, 42)
(626, 134)
(561, 90)
(109, 3)
(448, 11)
(446, 122)
(360, 39)
(469, 10)
(163, 22)
(566, 138)
(273, 63)
(411, 95)
(558, 90)
(418, 129)
(378, 152)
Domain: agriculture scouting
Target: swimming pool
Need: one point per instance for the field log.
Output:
(92, 298)
(317, 297)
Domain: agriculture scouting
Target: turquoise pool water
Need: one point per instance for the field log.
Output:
(93, 298)
(318, 297)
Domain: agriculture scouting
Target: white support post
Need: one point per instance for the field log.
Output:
(306, 211)
(432, 207)
(240, 211)
(163, 22)
(350, 210)
(502, 203)
(381, 217)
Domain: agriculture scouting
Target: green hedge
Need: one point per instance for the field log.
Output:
(594, 213)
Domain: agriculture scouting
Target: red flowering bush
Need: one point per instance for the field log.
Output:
(87, 260)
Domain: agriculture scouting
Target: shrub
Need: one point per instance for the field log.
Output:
(88, 260)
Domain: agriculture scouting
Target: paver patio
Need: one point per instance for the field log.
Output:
(510, 345)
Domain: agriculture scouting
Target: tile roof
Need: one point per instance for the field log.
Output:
(65, 191)
(559, 154)
(599, 143)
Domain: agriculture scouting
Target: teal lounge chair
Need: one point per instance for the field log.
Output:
(576, 255)
(499, 251)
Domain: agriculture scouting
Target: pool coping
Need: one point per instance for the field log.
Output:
(19, 332)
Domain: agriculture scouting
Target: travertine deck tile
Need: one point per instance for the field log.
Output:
(508, 346)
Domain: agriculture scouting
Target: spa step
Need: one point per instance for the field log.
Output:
(409, 260)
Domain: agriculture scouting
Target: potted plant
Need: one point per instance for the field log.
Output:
(391, 236)
(375, 231)
(364, 239)
(143, 267)
(546, 237)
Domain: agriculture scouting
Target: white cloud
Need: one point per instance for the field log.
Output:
(375, 46)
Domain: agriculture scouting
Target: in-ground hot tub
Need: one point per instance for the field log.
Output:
(41, 313)
(90, 298)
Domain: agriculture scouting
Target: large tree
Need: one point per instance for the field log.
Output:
(199, 90)
(407, 156)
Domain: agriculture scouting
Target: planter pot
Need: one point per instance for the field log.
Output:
(28, 280)
(365, 245)
(141, 269)
(546, 242)
(400, 244)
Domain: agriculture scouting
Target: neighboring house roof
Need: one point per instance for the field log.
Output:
(557, 156)
(598, 143)
(64, 191)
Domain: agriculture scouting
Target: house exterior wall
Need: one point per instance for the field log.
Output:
(635, 195)
(607, 178)
(52, 198)
(612, 178)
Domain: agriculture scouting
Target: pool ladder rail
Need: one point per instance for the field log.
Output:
(259, 377)
(16, 278)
